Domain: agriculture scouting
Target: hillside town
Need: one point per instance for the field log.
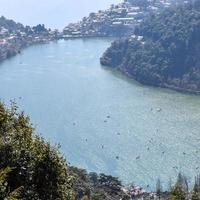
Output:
(14, 37)
(118, 21)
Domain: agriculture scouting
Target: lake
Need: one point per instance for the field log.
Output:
(104, 121)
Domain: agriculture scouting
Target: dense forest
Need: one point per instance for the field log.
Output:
(164, 51)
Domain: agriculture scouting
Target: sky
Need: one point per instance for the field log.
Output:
(52, 13)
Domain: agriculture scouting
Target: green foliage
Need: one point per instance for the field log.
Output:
(31, 168)
(159, 188)
(4, 194)
(177, 193)
(196, 189)
(96, 187)
(109, 181)
(196, 193)
(15, 195)
(180, 190)
(168, 54)
(85, 198)
(40, 28)
(98, 196)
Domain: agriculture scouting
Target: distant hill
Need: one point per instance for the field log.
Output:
(10, 24)
(15, 36)
(118, 20)
(164, 50)
(146, 3)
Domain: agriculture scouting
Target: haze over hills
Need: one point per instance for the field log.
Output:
(52, 13)
(117, 21)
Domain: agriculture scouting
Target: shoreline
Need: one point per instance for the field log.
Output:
(46, 40)
(18, 49)
(162, 86)
(11, 50)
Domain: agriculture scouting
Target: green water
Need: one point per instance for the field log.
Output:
(97, 115)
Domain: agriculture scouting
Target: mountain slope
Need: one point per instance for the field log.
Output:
(118, 20)
(164, 51)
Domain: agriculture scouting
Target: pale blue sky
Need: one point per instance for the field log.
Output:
(53, 13)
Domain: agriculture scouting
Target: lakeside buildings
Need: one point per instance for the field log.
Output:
(15, 36)
(117, 21)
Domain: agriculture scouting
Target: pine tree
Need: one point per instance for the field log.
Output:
(177, 193)
(195, 195)
(159, 189)
(180, 190)
(196, 189)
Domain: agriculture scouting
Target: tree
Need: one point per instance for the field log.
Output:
(93, 177)
(195, 193)
(177, 193)
(85, 198)
(8, 195)
(196, 189)
(159, 189)
(168, 53)
(31, 168)
(180, 190)
(40, 28)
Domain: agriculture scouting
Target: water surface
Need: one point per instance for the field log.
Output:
(98, 115)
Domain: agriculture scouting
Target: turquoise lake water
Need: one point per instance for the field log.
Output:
(98, 115)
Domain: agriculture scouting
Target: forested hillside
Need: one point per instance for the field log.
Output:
(10, 24)
(164, 50)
